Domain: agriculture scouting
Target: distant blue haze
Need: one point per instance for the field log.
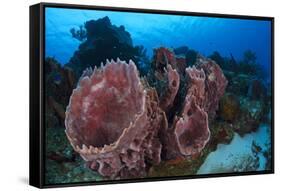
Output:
(204, 34)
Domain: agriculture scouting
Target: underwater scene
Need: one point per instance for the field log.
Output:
(140, 95)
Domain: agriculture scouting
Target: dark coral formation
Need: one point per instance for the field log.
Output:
(186, 55)
(118, 123)
(60, 82)
(98, 36)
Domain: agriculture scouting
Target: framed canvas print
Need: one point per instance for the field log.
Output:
(127, 95)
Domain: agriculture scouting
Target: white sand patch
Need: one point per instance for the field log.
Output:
(238, 155)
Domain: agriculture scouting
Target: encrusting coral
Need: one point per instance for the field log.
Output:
(118, 124)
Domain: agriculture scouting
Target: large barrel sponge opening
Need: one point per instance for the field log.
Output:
(104, 104)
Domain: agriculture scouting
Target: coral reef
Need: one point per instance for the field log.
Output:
(152, 131)
(60, 82)
(226, 63)
(229, 108)
(250, 116)
(64, 164)
(117, 123)
(238, 83)
(245, 106)
(172, 114)
(222, 132)
(257, 90)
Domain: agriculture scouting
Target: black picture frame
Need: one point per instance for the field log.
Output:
(37, 85)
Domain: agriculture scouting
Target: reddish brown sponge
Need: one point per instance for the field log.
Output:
(173, 86)
(112, 121)
(190, 131)
(215, 84)
(162, 58)
(196, 84)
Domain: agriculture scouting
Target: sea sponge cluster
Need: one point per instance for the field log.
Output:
(118, 124)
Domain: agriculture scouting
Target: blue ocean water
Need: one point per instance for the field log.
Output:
(204, 34)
